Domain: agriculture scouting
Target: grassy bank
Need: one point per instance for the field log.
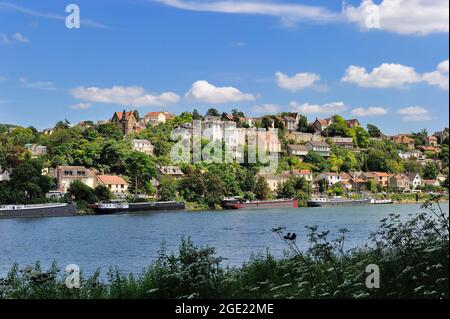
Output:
(412, 257)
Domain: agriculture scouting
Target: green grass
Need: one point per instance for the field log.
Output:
(412, 256)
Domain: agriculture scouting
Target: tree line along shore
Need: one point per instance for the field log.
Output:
(373, 164)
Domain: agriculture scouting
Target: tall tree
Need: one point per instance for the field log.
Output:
(212, 112)
(374, 131)
(303, 125)
(262, 189)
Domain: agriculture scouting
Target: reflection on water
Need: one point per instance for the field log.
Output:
(131, 242)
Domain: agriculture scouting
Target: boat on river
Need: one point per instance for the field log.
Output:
(324, 201)
(39, 210)
(239, 203)
(121, 206)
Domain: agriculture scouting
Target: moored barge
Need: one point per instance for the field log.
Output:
(41, 210)
(118, 206)
(237, 203)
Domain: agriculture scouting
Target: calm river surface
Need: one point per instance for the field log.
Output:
(131, 242)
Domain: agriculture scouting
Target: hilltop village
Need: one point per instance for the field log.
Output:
(128, 156)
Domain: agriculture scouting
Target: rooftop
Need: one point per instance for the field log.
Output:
(111, 180)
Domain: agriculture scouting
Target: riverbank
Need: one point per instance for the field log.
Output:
(414, 267)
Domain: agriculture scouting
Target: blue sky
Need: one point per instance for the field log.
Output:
(259, 56)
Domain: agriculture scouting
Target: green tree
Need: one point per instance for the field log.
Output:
(110, 131)
(430, 171)
(319, 164)
(303, 125)
(362, 137)
(420, 137)
(262, 189)
(192, 187)
(168, 189)
(287, 189)
(81, 192)
(140, 168)
(196, 115)
(374, 131)
(215, 190)
(102, 192)
(413, 167)
(212, 112)
(28, 185)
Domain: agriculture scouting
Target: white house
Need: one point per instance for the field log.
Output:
(322, 148)
(414, 180)
(413, 154)
(66, 175)
(297, 150)
(142, 146)
(305, 173)
(4, 174)
(116, 184)
(331, 178)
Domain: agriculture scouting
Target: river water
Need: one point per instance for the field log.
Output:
(131, 242)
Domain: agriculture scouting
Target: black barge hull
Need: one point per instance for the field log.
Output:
(339, 203)
(143, 207)
(61, 211)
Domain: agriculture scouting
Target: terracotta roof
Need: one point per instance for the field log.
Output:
(352, 122)
(381, 174)
(324, 121)
(429, 148)
(302, 171)
(358, 180)
(429, 181)
(345, 175)
(111, 180)
(127, 115)
(158, 113)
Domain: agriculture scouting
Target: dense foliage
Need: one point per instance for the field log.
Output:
(104, 149)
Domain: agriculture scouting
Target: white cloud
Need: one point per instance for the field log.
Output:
(415, 114)
(299, 81)
(20, 38)
(386, 75)
(238, 44)
(289, 13)
(265, 109)
(419, 17)
(371, 111)
(439, 77)
(206, 92)
(81, 106)
(14, 38)
(41, 85)
(390, 75)
(327, 108)
(132, 95)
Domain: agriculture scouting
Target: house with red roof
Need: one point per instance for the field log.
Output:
(116, 184)
(125, 121)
